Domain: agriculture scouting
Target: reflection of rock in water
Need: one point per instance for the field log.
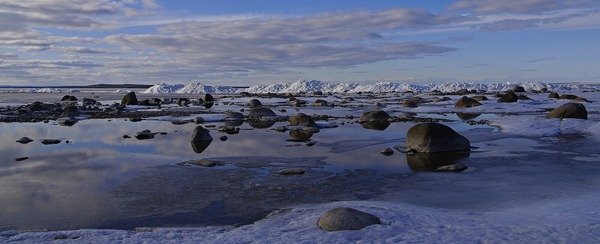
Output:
(66, 121)
(236, 122)
(467, 116)
(261, 124)
(432, 161)
(376, 125)
(209, 104)
(300, 135)
(200, 146)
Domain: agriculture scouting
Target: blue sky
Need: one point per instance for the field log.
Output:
(52, 42)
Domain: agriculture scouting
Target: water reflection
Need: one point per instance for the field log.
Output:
(261, 124)
(376, 125)
(200, 146)
(300, 135)
(433, 161)
(208, 104)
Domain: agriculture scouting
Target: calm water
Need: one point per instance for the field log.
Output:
(101, 180)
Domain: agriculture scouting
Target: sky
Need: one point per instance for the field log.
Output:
(249, 42)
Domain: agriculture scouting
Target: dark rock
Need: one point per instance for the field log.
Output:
(232, 115)
(89, 102)
(280, 129)
(376, 115)
(523, 97)
(126, 136)
(50, 141)
(183, 102)
(129, 99)
(208, 97)
(569, 110)
(201, 134)
(435, 137)
(518, 89)
(69, 98)
(409, 104)
(457, 167)
(21, 159)
(144, 135)
(465, 102)
(346, 219)
(508, 97)
(301, 120)
(292, 171)
(581, 100)
(24, 140)
(144, 102)
(462, 92)
(479, 98)
(261, 112)
(387, 151)
(206, 162)
(223, 138)
(254, 103)
(261, 124)
(200, 146)
(544, 90)
(321, 103)
(568, 96)
(553, 95)
(70, 111)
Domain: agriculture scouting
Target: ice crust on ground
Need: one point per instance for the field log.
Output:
(320, 86)
(400, 223)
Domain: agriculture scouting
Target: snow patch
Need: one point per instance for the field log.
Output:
(192, 88)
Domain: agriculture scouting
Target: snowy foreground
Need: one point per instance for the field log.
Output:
(400, 223)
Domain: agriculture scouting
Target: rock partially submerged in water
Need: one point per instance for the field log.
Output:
(201, 134)
(569, 110)
(372, 116)
(24, 140)
(301, 119)
(387, 151)
(508, 97)
(261, 112)
(346, 219)
(129, 99)
(435, 137)
(254, 103)
(465, 102)
(66, 121)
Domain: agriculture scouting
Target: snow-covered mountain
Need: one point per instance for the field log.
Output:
(316, 86)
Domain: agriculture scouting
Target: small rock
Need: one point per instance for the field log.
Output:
(553, 95)
(457, 167)
(568, 96)
(206, 162)
(346, 219)
(376, 115)
(387, 151)
(223, 138)
(208, 98)
(144, 135)
(201, 134)
(21, 159)
(409, 104)
(479, 98)
(126, 136)
(261, 112)
(321, 103)
(129, 99)
(518, 89)
(292, 171)
(302, 119)
(24, 140)
(254, 103)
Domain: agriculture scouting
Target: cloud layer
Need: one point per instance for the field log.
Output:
(65, 41)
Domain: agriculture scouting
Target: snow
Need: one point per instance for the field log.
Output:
(539, 126)
(400, 223)
(192, 88)
(381, 87)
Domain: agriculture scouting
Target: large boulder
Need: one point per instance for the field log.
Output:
(254, 103)
(569, 110)
(465, 102)
(376, 115)
(129, 99)
(261, 112)
(302, 119)
(208, 97)
(201, 134)
(435, 137)
(508, 97)
(346, 219)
